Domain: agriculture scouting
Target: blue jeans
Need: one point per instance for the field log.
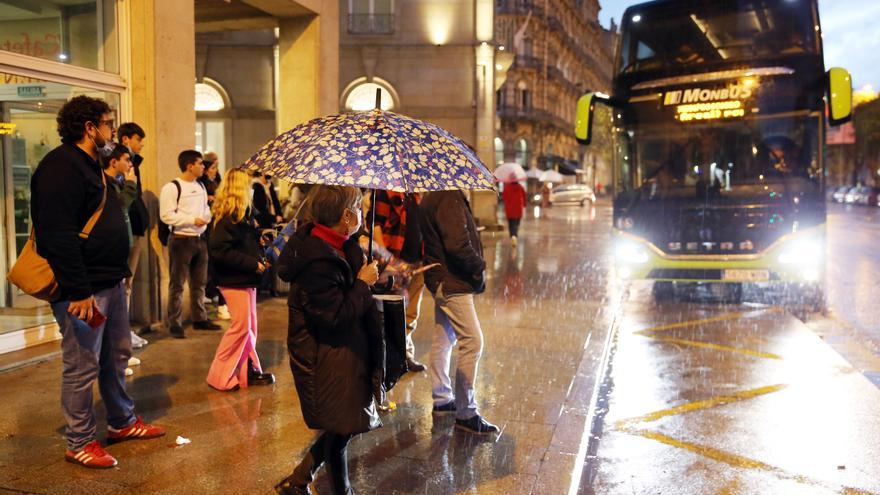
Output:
(88, 353)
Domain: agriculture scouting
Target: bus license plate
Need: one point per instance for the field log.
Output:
(746, 275)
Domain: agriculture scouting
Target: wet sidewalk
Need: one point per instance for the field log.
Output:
(546, 317)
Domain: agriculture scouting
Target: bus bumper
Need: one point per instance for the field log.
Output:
(794, 259)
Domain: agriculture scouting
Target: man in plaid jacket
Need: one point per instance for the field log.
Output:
(398, 230)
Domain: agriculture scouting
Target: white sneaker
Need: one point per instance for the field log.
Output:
(223, 312)
(129, 371)
(133, 361)
(137, 341)
(207, 300)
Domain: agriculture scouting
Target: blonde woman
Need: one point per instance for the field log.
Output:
(238, 262)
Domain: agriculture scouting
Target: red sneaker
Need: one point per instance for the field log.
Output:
(136, 430)
(91, 456)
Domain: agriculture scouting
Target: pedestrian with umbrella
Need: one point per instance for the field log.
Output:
(514, 196)
(373, 150)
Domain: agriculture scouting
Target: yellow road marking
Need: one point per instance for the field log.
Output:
(698, 405)
(703, 321)
(711, 453)
(706, 345)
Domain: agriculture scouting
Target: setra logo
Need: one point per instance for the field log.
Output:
(703, 95)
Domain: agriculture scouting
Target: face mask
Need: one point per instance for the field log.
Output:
(105, 150)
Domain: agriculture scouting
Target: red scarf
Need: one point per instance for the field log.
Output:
(330, 236)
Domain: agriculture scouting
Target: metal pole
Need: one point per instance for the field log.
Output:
(373, 194)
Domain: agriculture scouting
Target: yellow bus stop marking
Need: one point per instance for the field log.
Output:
(698, 405)
(649, 333)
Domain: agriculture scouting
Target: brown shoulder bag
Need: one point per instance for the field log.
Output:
(31, 272)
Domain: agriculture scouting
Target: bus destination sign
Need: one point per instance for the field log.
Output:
(696, 104)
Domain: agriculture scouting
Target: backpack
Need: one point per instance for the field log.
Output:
(165, 229)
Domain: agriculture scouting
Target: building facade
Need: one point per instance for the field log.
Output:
(432, 60)
(559, 52)
(141, 57)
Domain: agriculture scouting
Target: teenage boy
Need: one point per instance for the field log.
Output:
(131, 136)
(67, 188)
(183, 206)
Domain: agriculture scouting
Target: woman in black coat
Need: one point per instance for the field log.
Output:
(237, 261)
(331, 311)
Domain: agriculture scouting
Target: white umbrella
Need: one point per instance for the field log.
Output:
(510, 172)
(551, 176)
(533, 173)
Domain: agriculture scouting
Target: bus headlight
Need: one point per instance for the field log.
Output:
(804, 252)
(627, 251)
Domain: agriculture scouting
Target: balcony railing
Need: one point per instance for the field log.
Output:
(371, 23)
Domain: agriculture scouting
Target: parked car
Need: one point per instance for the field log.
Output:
(862, 195)
(572, 193)
(838, 194)
(851, 195)
(868, 196)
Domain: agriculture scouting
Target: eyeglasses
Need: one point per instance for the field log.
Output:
(109, 123)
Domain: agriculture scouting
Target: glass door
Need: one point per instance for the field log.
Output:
(31, 135)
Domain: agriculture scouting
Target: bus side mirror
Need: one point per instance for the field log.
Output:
(840, 97)
(583, 126)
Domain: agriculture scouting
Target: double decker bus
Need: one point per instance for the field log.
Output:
(719, 114)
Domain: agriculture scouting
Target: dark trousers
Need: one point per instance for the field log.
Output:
(513, 226)
(189, 263)
(329, 448)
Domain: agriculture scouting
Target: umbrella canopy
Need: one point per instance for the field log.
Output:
(533, 173)
(375, 150)
(551, 176)
(510, 172)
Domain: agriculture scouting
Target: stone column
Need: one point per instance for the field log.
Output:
(484, 203)
(308, 74)
(162, 94)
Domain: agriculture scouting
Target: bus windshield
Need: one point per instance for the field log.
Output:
(716, 33)
(668, 161)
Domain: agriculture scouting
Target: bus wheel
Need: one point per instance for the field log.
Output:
(663, 291)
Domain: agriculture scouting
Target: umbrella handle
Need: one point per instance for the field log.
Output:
(372, 226)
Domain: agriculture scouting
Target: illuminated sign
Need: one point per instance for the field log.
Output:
(31, 91)
(704, 95)
(710, 111)
(6, 128)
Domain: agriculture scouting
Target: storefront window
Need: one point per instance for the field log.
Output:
(28, 130)
(76, 32)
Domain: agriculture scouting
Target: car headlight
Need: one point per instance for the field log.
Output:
(802, 252)
(628, 251)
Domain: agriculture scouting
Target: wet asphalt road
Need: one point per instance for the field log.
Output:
(709, 398)
(699, 397)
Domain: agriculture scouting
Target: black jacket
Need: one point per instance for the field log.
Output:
(234, 253)
(66, 189)
(137, 212)
(330, 334)
(451, 239)
(261, 205)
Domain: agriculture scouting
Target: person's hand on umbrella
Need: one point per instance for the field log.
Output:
(369, 273)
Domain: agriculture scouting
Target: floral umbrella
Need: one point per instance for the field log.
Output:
(376, 150)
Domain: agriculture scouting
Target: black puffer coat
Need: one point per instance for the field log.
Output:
(234, 249)
(332, 318)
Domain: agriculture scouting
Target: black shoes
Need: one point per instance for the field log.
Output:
(448, 408)
(286, 487)
(257, 378)
(415, 366)
(476, 425)
(206, 325)
(177, 332)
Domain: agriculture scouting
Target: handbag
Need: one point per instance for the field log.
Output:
(31, 272)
